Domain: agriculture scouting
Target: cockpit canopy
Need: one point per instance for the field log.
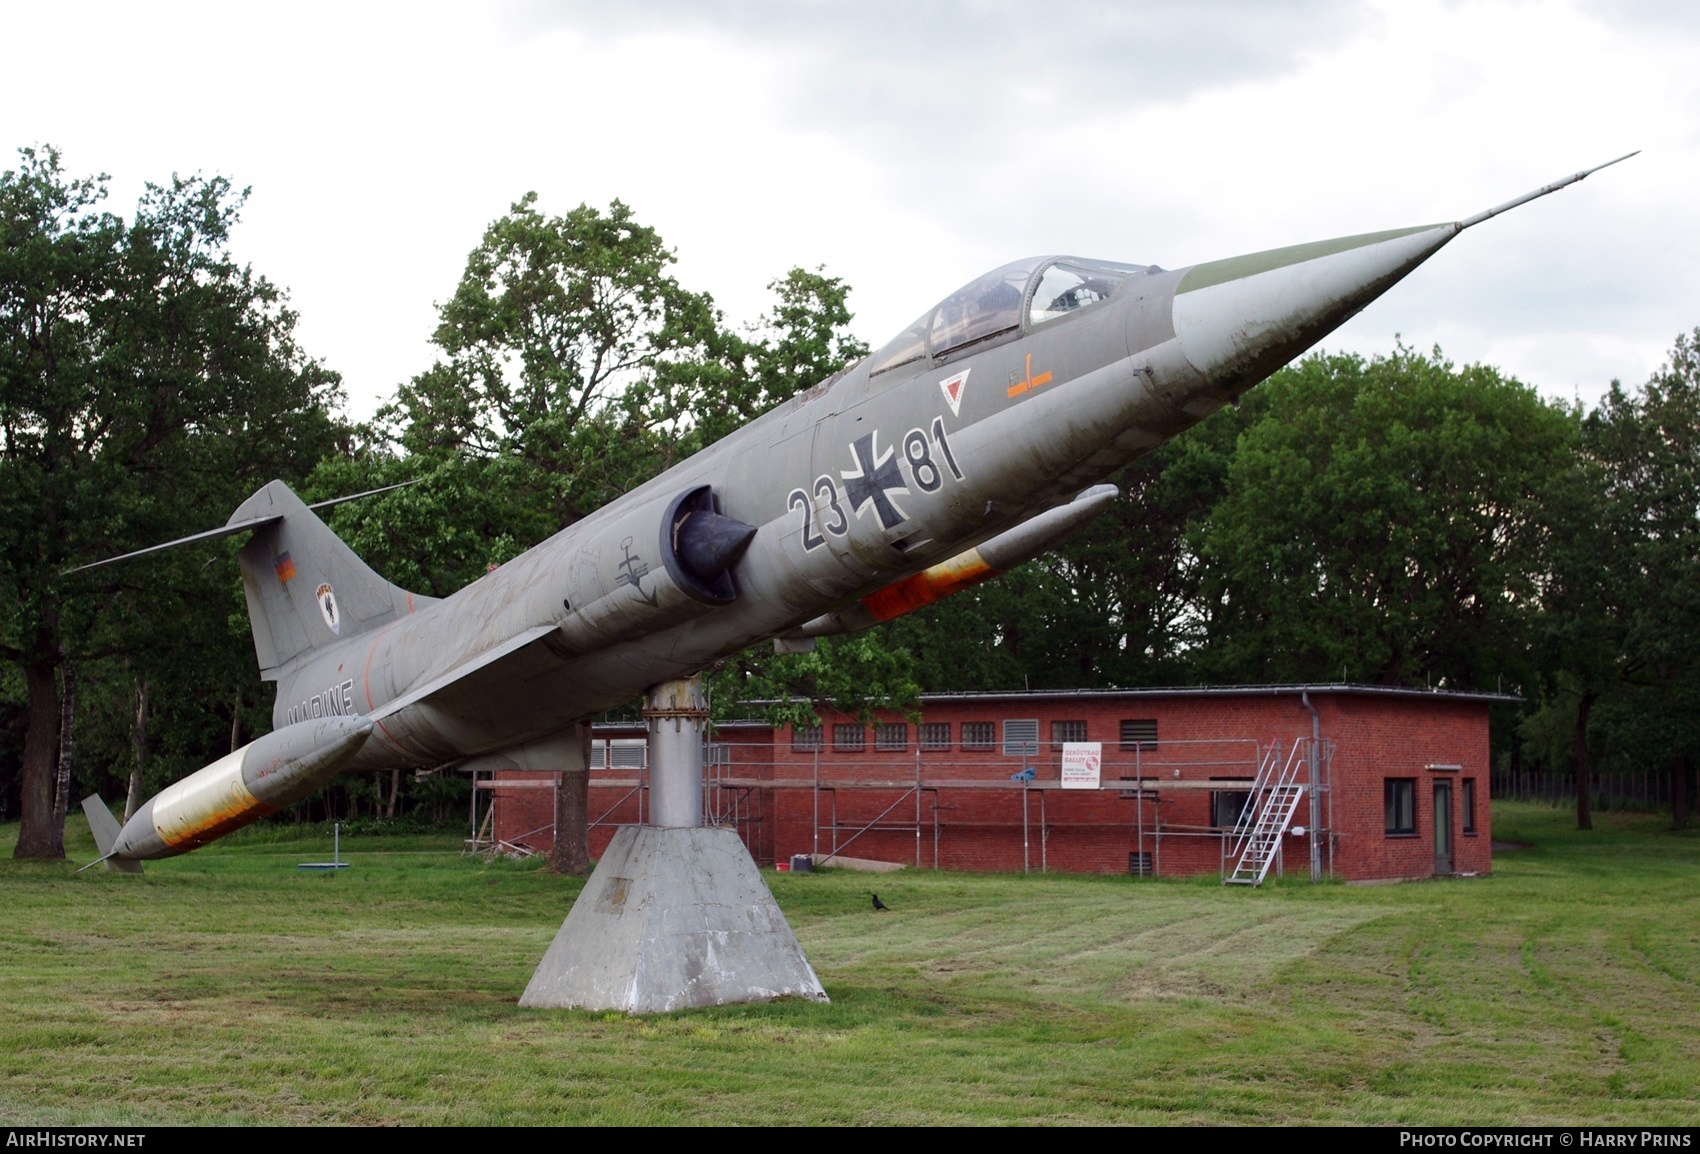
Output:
(1049, 288)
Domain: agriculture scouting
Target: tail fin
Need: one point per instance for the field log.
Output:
(305, 588)
(105, 829)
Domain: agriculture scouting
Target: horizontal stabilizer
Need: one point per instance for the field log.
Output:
(231, 529)
(242, 526)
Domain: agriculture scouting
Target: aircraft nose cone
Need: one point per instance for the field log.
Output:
(1240, 319)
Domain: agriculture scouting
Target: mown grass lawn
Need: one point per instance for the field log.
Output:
(228, 987)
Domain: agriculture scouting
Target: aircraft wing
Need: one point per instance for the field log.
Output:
(471, 681)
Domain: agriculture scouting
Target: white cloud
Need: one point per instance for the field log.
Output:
(908, 153)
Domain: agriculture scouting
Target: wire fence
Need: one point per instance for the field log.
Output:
(1646, 790)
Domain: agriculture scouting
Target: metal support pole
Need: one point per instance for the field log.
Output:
(1157, 841)
(935, 827)
(1044, 836)
(1315, 782)
(1026, 863)
(1139, 802)
(676, 713)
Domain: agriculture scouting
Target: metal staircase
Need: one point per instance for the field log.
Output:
(1267, 813)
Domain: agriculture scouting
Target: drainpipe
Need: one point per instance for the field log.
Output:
(1315, 783)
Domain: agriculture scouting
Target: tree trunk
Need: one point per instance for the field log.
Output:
(138, 751)
(38, 835)
(571, 852)
(395, 790)
(67, 747)
(1679, 802)
(1584, 768)
(236, 723)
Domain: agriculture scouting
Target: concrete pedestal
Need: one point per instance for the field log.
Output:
(672, 918)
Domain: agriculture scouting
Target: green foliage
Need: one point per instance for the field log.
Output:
(553, 345)
(1623, 602)
(1649, 443)
(1386, 520)
(857, 675)
(462, 514)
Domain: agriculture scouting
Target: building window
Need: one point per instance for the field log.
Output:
(1063, 731)
(894, 735)
(628, 752)
(1226, 805)
(977, 735)
(849, 738)
(1469, 784)
(1140, 734)
(805, 738)
(1021, 738)
(935, 735)
(1400, 798)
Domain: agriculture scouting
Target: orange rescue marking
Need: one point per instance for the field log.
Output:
(1031, 381)
(219, 825)
(206, 805)
(366, 687)
(399, 743)
(396, 741)
(366, 670)
(927, 586)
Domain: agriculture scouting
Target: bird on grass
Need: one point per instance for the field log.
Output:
(879, 905)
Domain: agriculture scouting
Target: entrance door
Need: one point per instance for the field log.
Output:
(1443, 827)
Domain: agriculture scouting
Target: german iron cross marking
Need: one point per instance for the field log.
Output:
(873, 476)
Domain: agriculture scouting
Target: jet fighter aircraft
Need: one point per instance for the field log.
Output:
(977, 437)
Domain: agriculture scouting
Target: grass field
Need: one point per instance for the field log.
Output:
(228, 987)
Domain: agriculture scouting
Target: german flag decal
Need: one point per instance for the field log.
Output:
(285, 568)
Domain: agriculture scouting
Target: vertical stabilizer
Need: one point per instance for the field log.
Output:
(305, 588)
(105, 829)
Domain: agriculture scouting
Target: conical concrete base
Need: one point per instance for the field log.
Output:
(672, 918)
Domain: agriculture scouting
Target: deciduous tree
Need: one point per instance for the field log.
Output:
(1384, 522)
(145, 377)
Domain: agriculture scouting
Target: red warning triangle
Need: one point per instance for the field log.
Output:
(953, 388)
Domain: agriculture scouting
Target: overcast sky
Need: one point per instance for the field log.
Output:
(909, 146)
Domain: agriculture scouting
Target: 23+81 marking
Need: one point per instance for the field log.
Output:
(874, 477)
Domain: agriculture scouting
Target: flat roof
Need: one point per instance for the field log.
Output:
(1335, 688)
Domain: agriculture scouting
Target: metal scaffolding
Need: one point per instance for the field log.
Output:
(740, 783)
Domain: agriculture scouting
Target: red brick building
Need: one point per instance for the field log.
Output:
(1399, 786)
